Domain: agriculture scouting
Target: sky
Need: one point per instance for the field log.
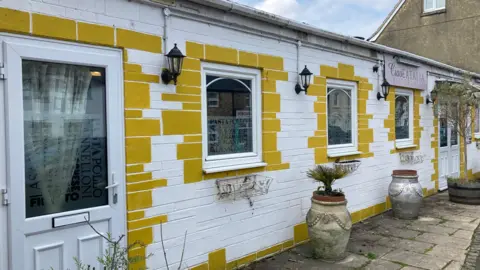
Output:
(347, 17)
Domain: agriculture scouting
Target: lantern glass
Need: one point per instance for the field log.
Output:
(305, 77)
(385, 88)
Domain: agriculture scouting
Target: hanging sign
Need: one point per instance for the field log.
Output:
(399, 72)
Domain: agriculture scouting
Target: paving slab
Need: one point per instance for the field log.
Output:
(443, 240)
(453, 266)
(463, 234)
(459, 225)
(432, 229)
(396, 232)
(426, 220)
(383, 265)
(405, 244)
(448, 252)
(365, 247)
(416, 259)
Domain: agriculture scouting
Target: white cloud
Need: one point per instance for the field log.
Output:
(348, 17)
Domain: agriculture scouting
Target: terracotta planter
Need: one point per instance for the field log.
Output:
(329, 226)
(466, 193)
(406, 194)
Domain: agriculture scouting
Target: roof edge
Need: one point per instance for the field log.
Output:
(387, 20)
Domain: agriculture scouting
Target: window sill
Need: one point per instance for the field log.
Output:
(434, 12)
(343, 154)
(234, 167)
(405, 146)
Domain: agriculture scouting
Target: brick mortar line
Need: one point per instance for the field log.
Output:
(472, 260)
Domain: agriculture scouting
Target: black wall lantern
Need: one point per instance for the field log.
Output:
(385, 86)
(432, 97)
(175, 62)
(305, 77)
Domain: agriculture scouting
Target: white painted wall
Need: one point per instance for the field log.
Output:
(234, 225)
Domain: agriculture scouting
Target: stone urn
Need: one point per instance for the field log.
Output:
(329, 226)
(405, 194)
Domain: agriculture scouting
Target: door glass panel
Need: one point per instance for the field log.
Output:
(454, 137)
(443, 132)
(65, 137)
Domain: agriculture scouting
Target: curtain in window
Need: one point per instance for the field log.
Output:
(54, 98)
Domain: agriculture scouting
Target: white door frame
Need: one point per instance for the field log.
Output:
(448, 164)
(17, 48)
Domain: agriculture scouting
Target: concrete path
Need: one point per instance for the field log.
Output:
(439, 239)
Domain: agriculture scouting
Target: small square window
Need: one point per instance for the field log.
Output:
(341, 117)
(403, 117)
(232, 119)
(433, 5)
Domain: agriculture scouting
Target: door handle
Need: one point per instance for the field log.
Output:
(113, 186)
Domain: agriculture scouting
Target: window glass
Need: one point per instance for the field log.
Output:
(429, 4)
(230, 121)
(402, 117)
(339, 116)
(440, 4)
(443, 132)
(454, 136)
(65, 137)
(477, 119)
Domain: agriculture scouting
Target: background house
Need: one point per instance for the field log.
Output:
(443, 30)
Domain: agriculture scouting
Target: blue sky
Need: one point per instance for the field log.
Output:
(348, 17)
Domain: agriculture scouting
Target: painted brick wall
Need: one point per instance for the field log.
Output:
(165, 182)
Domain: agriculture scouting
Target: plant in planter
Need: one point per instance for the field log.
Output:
(328, 220)
(456, 102)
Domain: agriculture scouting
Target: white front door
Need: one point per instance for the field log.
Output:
(449, 154)
(64, 147)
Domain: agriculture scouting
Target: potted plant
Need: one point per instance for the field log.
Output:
(328, 220)
(456, 103)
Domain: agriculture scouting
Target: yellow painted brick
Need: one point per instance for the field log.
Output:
(189, 90)
(142, 127)
(346, 72)
(96, 34)
(53, 27)
(135, 168)
(300, 233)
(314, 142)
(271, 125)
(191, 64)
(195, 138)
(272, 157)
(242, 261)
(132, 178)
(321, 155)
(143, 236)
(369, 86)
(138, 41)
(248, 59)
(269, 141)
(320, 107)
(181, 98)
(14, 21)
(217, 260)
(172, 122)
(133, 114)
(135, 215)
(137, 95)
(219, 175)
(278, 167)
(189, 150)
(141, 77)
(270, 62)
(138, 150)
(271, 102)
(320, 133)
(125, 55)
(147, 222)
(147, 185)
(362, 94)
(192, 171)
(192, 106)
(127, 67)
(320, 80)
(317, 90)
(328, 71)
(288, 244)
(321, 121)
(195, 50)
(269, 85)
(139, 257)
(275, 75)
(269, 251)
(356, 216)
(221, 54)
(203, 266)
(139, 200)
(190, 78)
(250, 171)
(269, 115)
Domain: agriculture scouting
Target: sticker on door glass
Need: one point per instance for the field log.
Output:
(64, 137)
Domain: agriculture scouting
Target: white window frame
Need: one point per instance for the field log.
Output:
(435, 6)
(405, 143)
(477, 122)
(351, 148)
(229, 162)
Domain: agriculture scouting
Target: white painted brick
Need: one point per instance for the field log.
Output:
(114, 22)
(159, 210)
(162, 152)
(172, 194)
(122, 9)
(80, 15)
(152, 113)
(48, 9)
(146, 58)
(152, 166)
(171, 139)
(167, 174)
(172, 165)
